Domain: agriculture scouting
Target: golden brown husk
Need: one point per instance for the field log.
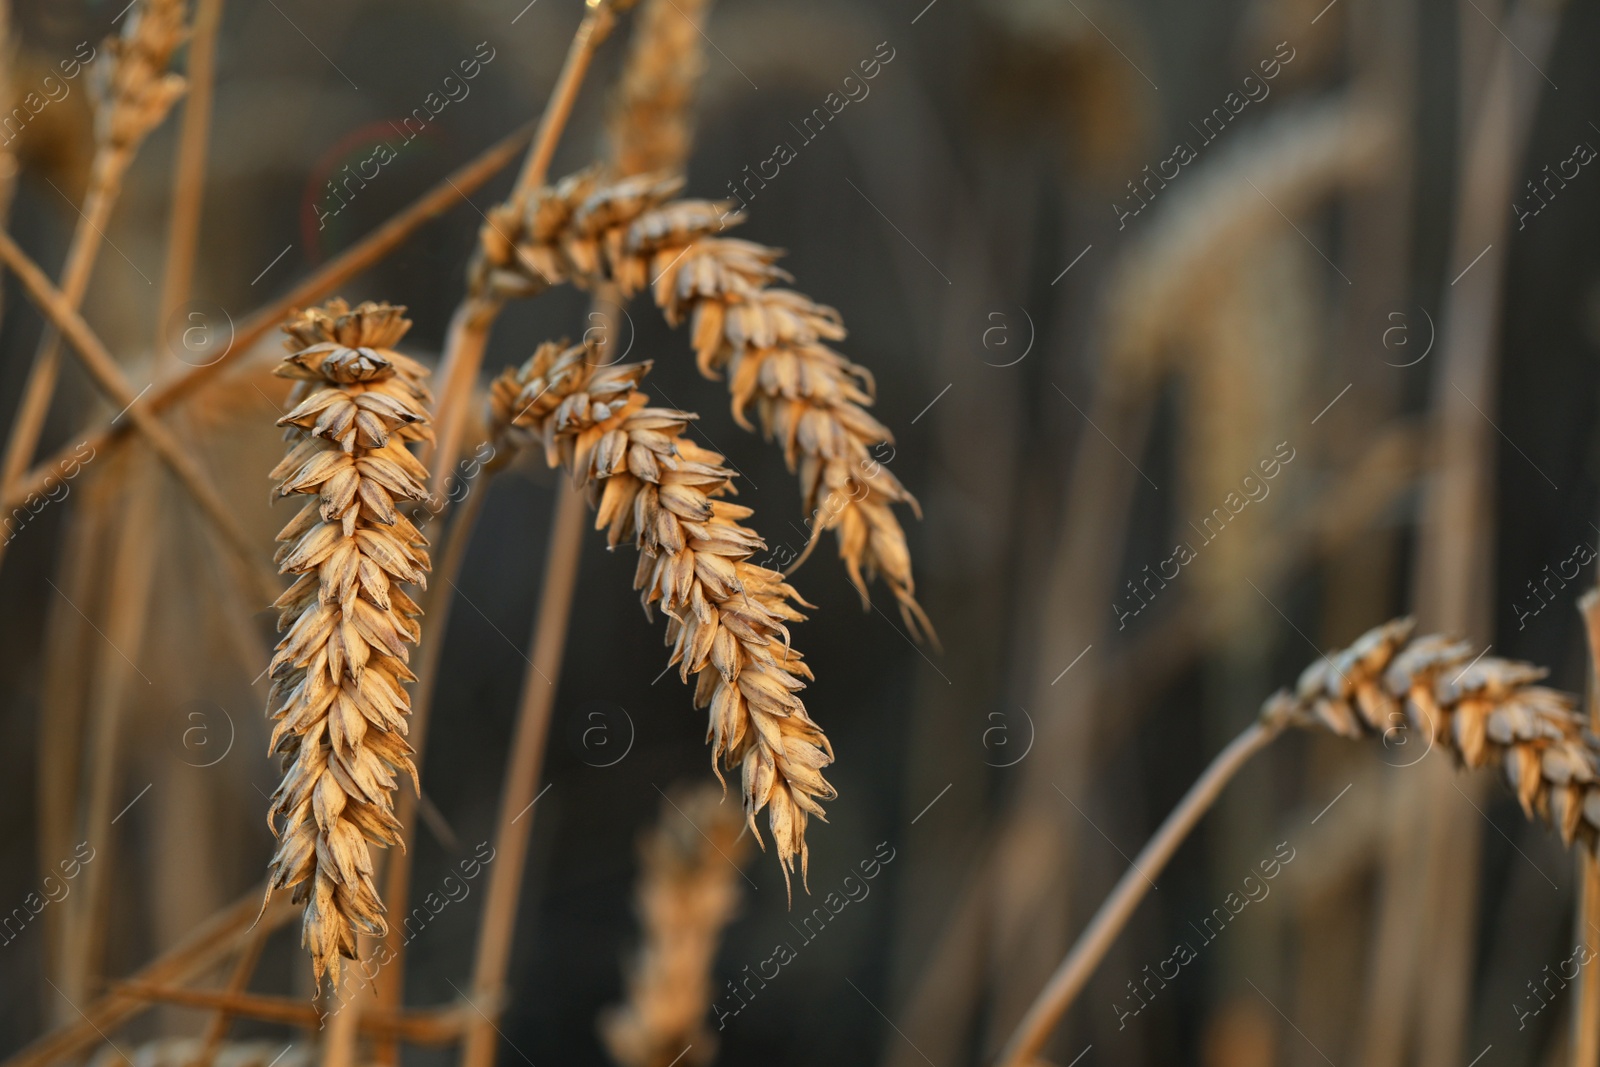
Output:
(1421, 691)
(771, 343)
(338, 673)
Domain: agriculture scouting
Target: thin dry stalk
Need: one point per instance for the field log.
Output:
(238, 981)
(474, 317)
(338, 673)
(189, 179)
(109, 377)
(209, 944)
(727, 617)
(361, 256)
(428, 1026)
(771, 343)
(524, 765)
(1586, 999)
(687, 892)
(1484, 710)
(132, 92)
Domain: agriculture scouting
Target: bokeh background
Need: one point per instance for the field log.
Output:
(1073, 387)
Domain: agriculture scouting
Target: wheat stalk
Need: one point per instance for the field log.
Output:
(338, 673)
(687, 892)
(1484, 709)
(771, 343)
(726, 616)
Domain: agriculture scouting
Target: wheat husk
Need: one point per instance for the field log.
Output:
(772, 344)
(726, 616)
(131, 88)
(338, 693)
(1485, 710)
(688, 890)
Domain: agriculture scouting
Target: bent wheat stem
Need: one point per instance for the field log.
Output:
(1026, 1043)
(364, 254)
(1483, 708)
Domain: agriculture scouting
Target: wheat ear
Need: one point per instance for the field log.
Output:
(651, 119)
(687, 892)
(726, 616)
(337, 691)
(1484, 709)
(771, 343)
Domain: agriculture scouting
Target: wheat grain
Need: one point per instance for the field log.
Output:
(688, 890)
(1483, 708)
(771, 343)
(726, 616)
(338, 673)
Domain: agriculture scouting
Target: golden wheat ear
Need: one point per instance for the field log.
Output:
(770, 343)
(338, 674)
(727, 618)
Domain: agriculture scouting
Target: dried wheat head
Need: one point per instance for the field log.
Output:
(338, 674)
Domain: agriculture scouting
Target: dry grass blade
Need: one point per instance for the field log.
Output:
(348, 264)
(109, 377)
(727, 617)
(688, 890)
(132, 92)
(771, 343)
(338, 691)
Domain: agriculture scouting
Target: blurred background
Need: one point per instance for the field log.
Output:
(1107, 262)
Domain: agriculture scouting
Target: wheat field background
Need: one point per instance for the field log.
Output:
(1113, 488)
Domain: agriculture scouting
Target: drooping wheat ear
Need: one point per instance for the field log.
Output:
(726, 615)
(132, 88)
(651, 121)
(688, 890)
(338, 673)
(1485, 710)
(771, 343)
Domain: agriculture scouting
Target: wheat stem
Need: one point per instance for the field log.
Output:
(189, 178)
(367, 252)
(428, 1026)
(397, 874)
(595, 27)
(524, 764)
(238, 981)
(109, 377)
(1586, 999)
(1022, 1049)
(208, 945)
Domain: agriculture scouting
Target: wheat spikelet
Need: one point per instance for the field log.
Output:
(771, 343)
(1486, 710)
(132, 88)
(726, 615)
(651, 121)
(337, 691)
(687, 892)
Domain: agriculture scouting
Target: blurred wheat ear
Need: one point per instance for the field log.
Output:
(688, 890)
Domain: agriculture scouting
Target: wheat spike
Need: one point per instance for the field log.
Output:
(771, 343)
(131, 88)
(1486, 710)
(726, 616)
(338, 673)
(687, 892)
